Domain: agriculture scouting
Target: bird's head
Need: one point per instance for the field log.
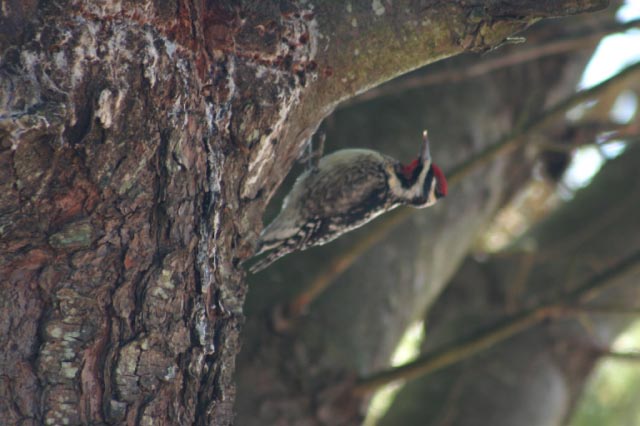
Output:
(423, 182)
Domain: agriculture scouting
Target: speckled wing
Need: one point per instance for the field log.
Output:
(345, 181)
(349, 187)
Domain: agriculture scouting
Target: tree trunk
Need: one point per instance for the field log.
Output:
(139, 145)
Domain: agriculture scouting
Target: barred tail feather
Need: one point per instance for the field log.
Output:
(268, 259)
(281, 246)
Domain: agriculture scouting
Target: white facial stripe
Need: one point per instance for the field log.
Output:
(431, 198)
(415, 190)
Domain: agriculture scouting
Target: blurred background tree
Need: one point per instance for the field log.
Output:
(516, 235)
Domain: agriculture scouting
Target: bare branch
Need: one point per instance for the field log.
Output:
(603, 310)
(555, 47)
(518, 323)
(623, 356)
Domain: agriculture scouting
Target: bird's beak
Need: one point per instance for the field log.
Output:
(425, 153)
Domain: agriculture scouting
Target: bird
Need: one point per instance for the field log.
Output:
(347, 189)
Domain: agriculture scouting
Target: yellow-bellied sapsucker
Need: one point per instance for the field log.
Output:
(347, 189)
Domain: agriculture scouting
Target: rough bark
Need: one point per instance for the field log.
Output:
(139, 145)
(534, 378)
(353, 328)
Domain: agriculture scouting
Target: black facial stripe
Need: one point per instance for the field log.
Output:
(408, 183)
(427, 182)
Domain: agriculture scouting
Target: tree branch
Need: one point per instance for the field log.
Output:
(623, 356)
(368, 44)
(555, 47)
(603, 310)
(518, 323)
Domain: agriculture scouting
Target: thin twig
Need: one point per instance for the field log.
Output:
(386, 223)
(520, 56)
(624, 356)
(603, 310)
(584, 133)
(509, 327)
